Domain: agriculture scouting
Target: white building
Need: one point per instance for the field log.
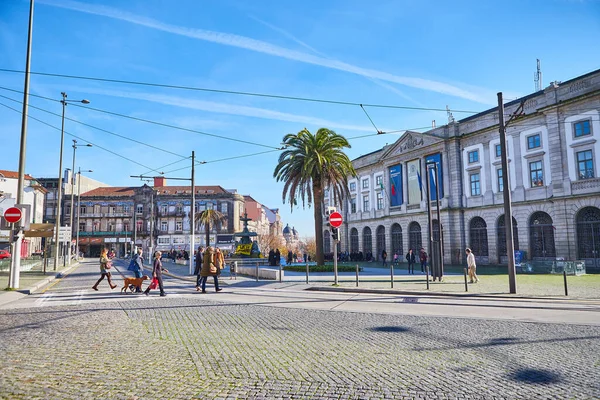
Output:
(33, 196)
(553, 150)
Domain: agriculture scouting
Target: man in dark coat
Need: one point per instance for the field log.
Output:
(271, 258)
(198, 265)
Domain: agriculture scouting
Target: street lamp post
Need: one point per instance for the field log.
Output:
(78, 207)
(72, 200)
(60, 166)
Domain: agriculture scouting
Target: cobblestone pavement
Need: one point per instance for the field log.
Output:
(182, 348)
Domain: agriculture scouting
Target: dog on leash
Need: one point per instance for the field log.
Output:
(133, 284)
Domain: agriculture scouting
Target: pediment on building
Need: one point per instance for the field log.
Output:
(408, 142)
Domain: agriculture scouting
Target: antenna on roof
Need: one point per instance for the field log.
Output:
(537, 76)
(450, 116)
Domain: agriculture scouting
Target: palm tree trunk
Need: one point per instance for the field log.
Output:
(207, 227)
(318, 202)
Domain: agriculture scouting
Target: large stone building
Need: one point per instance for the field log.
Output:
(160, 215)
(33, 195)
(552, 150)
(76, 183)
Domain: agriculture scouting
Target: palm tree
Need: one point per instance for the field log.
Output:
(207, 218)
(310, 163)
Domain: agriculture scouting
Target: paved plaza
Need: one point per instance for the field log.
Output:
(103, 345)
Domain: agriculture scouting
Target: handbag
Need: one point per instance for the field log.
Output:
(154, 283)
(213, 269)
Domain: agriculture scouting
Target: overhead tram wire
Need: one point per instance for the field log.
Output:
(265, 95)
(168, 165)
(80, 138)
(571, 112)
(235, 92)
(100, 129)
(153, 122)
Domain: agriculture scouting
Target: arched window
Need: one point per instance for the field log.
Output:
(353, 240)
(588, 237)
(414, 236)
(397, 240)
(478, 240)
(380, 241)
(367, 241)
(541, 235)
(501, 234)
(326, 242)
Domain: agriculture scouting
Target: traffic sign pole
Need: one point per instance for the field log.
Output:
(335, 220)
(13, 215)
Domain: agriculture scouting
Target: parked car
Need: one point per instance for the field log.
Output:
(4, 254)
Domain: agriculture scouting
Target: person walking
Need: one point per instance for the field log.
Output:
(219, 261)
(472, 266)
(198, 266)
(277, 257)
(384, 258)
(138, 267)
(157, 271)
(209, 269)
(396, 258)
(105, 265)
(411, 259)
(423, 259)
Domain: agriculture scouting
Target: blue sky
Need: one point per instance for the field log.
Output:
(414, 53)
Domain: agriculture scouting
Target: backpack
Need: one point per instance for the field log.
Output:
(132, 264)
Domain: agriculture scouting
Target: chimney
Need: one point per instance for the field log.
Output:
(160, 181)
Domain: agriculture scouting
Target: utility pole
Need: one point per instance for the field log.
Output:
(15, 266)
(151, 226)
(508, 223)
(432, 257)
(192, 216)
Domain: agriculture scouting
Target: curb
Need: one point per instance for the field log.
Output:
(439, 294)
(45, 281)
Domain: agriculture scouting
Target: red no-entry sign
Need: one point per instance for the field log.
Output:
(335, 219)
(13, 215)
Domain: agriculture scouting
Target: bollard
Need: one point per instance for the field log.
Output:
(279, 273)
(466, 287)
(256, 272)
(565, 278)
(427, 275)
(306, 273)
(392, 274)
(356, 275)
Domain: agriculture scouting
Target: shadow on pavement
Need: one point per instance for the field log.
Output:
(535, 376)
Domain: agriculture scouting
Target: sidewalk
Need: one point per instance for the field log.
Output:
(378, 279)
(30, 281)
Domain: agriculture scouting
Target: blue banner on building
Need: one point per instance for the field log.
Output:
(433, 180)
(395, 185)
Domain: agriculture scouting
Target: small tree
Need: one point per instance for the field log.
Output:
(311, 247)
(209, 218)
(269, 242)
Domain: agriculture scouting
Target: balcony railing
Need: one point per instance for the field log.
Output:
(106, 233)
(109, 215)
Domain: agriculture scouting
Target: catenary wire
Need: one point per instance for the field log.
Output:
(149, 121)
(234, 92)
(77, 137)
(572, 112)
(100, 129)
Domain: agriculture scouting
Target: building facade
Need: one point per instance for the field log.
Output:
(70, 184)
(33, 196)
(156, 218)
(552, 150)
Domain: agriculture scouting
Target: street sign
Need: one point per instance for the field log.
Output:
(13, 215)
(335, 219)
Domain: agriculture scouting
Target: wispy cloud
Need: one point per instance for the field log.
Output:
(317, 52)
(225, 108)
(247, 43)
